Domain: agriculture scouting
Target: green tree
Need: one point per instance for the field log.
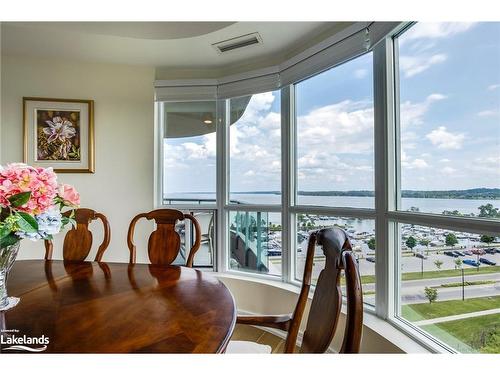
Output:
(458, 263)
(411, 242)
(487, 210)
(431, 294)
(451, 239)
(371, 243)
(438, 264)
(425, 242)
(487, 239)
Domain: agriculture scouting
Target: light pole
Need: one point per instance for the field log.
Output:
(463, 283)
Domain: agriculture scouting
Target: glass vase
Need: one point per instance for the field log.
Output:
(8, 255)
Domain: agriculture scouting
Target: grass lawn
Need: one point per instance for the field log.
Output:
(422, 311)
(368, 279)
(481, 333)
(449, 273)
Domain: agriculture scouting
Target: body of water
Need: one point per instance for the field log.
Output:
(428, 205)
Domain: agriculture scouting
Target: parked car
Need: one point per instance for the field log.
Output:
(459, 253)
(487, 261)
(370, 259)
(467, 252)
(491, 251)
(471, 262)
(421, 256)
(451, 254)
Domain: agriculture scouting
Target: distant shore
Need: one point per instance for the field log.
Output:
(476, 193)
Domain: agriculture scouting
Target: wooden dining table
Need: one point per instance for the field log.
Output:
(91, 307)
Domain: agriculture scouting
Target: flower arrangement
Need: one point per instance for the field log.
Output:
(31, 204)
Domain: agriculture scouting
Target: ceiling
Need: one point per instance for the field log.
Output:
(168, 46)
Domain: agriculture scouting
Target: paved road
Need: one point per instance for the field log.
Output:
(413, 291)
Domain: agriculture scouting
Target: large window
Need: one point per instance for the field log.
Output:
(449, 84)
(398, 143)
(335, 136)
(255, 149)
(189, 150)
(449, 164)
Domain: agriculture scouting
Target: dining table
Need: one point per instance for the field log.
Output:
(100, 307)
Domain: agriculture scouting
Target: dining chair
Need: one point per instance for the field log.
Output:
(78, 241)
(325, 306)
(164, 243)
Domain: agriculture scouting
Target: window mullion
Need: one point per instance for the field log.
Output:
(383, 73)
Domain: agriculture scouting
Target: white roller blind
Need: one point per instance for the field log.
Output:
(185, 93)
(249, 86)
(335, 54)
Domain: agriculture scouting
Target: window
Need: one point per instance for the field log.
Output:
(189, 151)
(362, 237)
(335, 141)
(449, 165)
(448, 286)
(428, 131)
(255, 242)
(449, 86)
(255, 149)
(335, 163)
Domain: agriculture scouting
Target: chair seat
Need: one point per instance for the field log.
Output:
(247, 347)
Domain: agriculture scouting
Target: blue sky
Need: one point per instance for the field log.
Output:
(450, 122)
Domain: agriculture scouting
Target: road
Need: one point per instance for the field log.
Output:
(413, 291)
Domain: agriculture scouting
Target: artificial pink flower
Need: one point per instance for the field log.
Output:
(69, 195)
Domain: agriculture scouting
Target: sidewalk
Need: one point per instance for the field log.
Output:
(457, 317)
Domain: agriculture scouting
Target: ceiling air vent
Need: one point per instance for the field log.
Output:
(238, 42)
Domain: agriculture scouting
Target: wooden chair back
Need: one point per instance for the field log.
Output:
(78, 241)
(326, 304)
(164, 243)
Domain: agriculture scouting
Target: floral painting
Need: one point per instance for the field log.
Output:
(58, 135)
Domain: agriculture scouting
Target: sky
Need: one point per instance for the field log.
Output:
(450, 122)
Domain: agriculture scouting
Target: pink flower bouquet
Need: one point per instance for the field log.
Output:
(31, 202)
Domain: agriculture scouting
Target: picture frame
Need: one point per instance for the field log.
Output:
(59, 133)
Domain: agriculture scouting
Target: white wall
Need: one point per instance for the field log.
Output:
(122, 184)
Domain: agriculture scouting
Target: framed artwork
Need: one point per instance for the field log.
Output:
(59, 133)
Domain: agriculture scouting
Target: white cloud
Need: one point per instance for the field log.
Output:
(494, 87)
(412, 113)
(444, 139)
(444, 160)
(360, 73)
(413, 65)
(432, 30)
(448, 170)
(488, 113)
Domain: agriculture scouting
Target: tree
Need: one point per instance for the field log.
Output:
(487, 210)
(451, 239)
(371, 243)
(425, 242)
(458, 263)
(438, 264)
(411, 242)
(431, 294)
(487, 239)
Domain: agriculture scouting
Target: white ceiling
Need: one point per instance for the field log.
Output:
(167, 45)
